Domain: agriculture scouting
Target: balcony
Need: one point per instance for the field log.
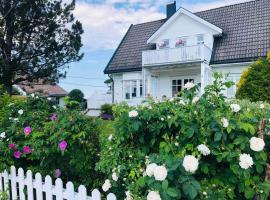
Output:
(187, 54)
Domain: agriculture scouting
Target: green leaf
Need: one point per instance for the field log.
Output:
(190, 132)
(172, 192)
(249, 193)
(165, 185)
(218, 136)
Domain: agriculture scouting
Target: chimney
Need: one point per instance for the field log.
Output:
(171, 9)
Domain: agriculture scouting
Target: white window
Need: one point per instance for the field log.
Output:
(178, 85)
(132, 89)
(164, 44)
(232, 90)
(181, 42)
(200, 39)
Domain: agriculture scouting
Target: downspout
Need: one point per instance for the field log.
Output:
(110, 76)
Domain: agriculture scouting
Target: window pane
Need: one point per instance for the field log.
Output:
(179, 82)
(174, 82)
(174, 91)
(200, 39)
(134, 88)
(141, 89)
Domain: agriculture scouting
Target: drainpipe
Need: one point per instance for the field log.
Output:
(112, 87)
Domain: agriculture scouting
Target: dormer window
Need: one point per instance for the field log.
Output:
(181, 42)
(200, 39)
(164, 44)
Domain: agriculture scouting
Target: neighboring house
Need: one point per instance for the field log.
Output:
(54, 91)
(158, 58)
(96, 100)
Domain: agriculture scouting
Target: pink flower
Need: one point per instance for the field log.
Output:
(63, 145)
(57, 173)
(17, 154)
(27, 150)
(12, 146)
(27, 130)
(53, 117)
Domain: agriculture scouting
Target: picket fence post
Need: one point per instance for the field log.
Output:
(22, 187)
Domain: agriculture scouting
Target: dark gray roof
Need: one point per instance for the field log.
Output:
(246, 36)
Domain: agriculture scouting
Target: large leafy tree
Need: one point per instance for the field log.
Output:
(38, 38)
(255, 81)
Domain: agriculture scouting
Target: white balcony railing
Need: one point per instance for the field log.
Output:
(176, 55)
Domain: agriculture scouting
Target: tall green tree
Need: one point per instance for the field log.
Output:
(255, 81)
(38, 39)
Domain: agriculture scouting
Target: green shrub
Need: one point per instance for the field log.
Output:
(76, 95)
(107, 109)
(169, 132)
(49, 127)
(255, 82)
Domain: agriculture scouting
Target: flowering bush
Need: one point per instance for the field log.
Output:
(36, 135)
(189, 148)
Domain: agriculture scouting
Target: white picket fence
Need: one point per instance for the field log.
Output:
(20, 187)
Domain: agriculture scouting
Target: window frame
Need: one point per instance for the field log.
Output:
(177, 79)
(132, 89)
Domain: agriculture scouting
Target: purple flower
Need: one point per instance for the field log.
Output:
(27, 130)
(27, 150)
(12, 146)
(63, 145)
(53, 117)
(57, 173)
(17, 154)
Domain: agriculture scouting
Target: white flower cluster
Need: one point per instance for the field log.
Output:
(190, 163)
(203, 149)
(114, 176)
(262, 106)
(20, 112)
(189, 85)
(225, 122)
(235, 108)
(246, 161)
(159, 172)
(195, 100)
(256, 144)
(3, 135)
(153, 195)
(128, 195)
(107, 185)
(133, 113)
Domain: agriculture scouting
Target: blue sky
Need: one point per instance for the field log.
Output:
(105, 22)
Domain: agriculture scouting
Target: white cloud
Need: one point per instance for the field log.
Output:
(105, 23)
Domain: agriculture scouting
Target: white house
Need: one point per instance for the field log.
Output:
(157, 58)
(96, 100)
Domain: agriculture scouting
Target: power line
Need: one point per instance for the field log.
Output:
(90, 78)
(78, 84)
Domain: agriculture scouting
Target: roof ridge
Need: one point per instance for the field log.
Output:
(225, 6)
(164, 19)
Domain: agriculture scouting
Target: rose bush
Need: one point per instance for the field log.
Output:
(36, 135)
(189, 148)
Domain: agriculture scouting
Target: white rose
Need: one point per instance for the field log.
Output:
(195, 99)
(189, 85)
(32, 95)
(150, 169)
(190, 163)
(262, 106)
(182, 102)
(49, 98)
(176, 144)
(245, 161)
(20, 111)
(235, 108)
(114, 177)
(204, 149)
(15, 119)
(128, 195)
(133, 113)
(153, 195)
(225, 122)
(160, 173)
(256, 144)
(106, 186)
(162, 119)
(3, 135)
(110, 137)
